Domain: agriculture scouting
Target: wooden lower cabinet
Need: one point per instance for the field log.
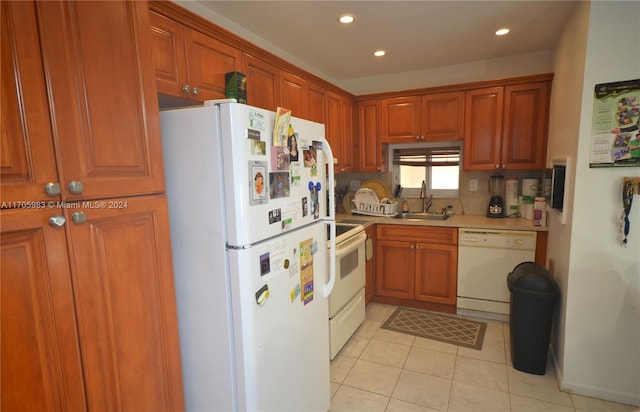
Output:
(417, 263)
(88, 308)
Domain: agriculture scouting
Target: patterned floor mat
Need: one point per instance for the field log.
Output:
(443, 328)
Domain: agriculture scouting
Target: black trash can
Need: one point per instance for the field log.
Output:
(533, 297)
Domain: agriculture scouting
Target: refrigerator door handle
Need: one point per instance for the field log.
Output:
(330, 220)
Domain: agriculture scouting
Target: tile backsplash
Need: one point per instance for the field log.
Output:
(469, 202)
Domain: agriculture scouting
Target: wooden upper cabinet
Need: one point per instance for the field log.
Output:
(369, 142)
(190, 64)
(506, 127)
(442, 116)
(41, 364)
(293, 94)
(339, 129)
(316, 103)
(27, 155)
(99, 69)
(483, 128)
(263, 83)
(524, 141)
(401, 119)
(431, 117)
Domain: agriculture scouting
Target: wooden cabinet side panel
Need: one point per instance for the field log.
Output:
(99, 69)
(483, 129)
(395, 269)
(262, 83)
(167, 47)
(442, 116)
(436, 273)
(126, 306)
(208, 62)
(370, 282)
(369, 143)
(333, 126)
(400, 119)
(41, 365)
(27, 160)
(525, 126)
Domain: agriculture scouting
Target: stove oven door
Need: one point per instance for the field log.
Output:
(350, 272)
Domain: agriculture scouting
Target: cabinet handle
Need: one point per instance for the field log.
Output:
(504, 166)
(417, 247)
(57, 220)
(76, 187)
(497, 166)
(79, 217)
(417, 137)
(195, 91)
(379, 168)
(186, 88)
(52, 189)
(412, 246)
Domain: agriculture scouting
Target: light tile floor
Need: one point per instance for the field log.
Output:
(381, 370)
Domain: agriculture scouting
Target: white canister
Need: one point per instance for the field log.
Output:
(511, 198)
(529, 189)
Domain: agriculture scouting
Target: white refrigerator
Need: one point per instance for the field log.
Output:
(248, 217)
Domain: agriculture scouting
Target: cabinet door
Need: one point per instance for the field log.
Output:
(369, 142)
(167, 47)
(442, 116)
(339, 131)
(524, 141)
(125, 298)
(370, 285)
(26, 151)
(294, 94)
(99, 69)
(395, 270)
(401, 119)
(208, 60)
(348, 150)
(316, 103)
(483, 129)
(263, 83)
(436, 273)
(41, 366)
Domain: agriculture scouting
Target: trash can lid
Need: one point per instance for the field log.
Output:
(532, 278)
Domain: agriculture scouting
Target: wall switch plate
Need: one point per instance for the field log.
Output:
(473, 185)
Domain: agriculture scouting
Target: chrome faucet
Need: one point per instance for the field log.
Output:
(426, 204)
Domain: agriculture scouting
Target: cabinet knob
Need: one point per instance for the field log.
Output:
(52, 189)
(497, 166)
(195, 91)
(57, 220)
(79, 217)
(412, 247)
(186, 88)
(417, 137)
(504, 166)
(76, 187)
(379, 168)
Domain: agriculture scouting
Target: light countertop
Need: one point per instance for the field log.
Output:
(464, 221)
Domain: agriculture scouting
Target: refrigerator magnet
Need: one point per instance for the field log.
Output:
(265, 264)
(262, 295)
(258, 183)
(258, 148)
(295, 292)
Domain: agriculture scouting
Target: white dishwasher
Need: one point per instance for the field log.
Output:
(485, 258)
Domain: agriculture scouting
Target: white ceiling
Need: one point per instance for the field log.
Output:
(417, 35)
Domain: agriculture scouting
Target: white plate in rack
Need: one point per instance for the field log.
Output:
(365, 195)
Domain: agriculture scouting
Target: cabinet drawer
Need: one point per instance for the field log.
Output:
(427, 234)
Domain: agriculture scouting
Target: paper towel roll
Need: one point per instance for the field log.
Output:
(511, 198)
(529, 188)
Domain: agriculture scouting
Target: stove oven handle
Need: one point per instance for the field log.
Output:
(349, 245)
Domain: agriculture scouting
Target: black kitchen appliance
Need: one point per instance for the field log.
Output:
(496, 190)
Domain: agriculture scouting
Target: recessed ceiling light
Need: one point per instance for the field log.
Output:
(502, 32)
(346, 19)
(379, 53)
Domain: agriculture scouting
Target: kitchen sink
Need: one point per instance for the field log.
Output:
(423, 216)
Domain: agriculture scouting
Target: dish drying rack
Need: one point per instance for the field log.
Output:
(375, 209)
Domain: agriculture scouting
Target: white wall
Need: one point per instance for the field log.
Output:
(597, 334)
(564, 120)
